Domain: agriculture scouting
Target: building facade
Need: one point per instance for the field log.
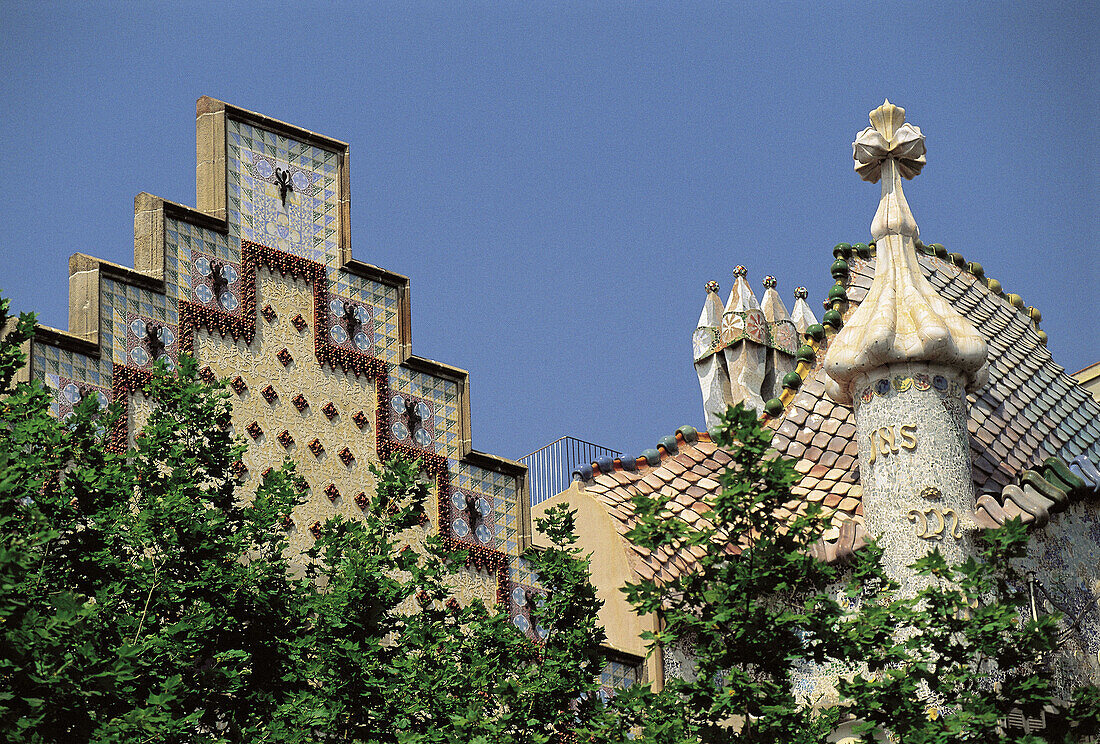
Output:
(951, 392)
(923, 408)
(258, 282)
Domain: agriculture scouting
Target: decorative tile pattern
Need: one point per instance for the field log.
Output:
(473, 518)
(148, 340)
(522, 600)
(279, 263)
(381, 300)
(68, 393)
(50, 363)
(351, 324)
(307, 222)
(441, 399)
(619, 675)
(183, 244)
(519, 572)
(216, 283)
(412, 421)
(506, 509)
(119, 305)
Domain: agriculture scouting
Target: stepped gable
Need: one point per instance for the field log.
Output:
(1029, 414)
(259, 283)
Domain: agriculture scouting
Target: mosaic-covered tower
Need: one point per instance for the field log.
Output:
(905, 361)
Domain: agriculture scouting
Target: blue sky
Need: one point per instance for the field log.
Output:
(560, 180)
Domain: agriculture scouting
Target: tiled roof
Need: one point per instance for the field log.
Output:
(1031, 410)
(1040, 493)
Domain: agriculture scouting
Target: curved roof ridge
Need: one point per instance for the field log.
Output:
(837, 307)
(653, 457)
(1039, 493)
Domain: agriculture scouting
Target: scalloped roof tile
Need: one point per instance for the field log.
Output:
(1029, 411)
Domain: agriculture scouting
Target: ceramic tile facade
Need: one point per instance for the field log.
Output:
(1064, 556)
(181, 241)
(383, 301)
(258, 365)
(48, 362)
(442, 395)
(507, 510)
(283, 230)
(264, 166)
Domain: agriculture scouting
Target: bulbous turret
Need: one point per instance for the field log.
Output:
(902, 319)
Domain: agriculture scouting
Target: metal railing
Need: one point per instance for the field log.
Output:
(550, 468)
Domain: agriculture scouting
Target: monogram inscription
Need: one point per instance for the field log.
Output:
(933, 523)
(889, 440)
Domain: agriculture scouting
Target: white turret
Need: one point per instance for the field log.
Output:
(743, 351)
(713, 377)
(802, 315)
(904, 360)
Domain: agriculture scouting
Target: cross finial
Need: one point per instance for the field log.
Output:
(890, 149)
(902, 319)
(888, 138)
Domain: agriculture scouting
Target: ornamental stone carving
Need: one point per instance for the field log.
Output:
(902, 320)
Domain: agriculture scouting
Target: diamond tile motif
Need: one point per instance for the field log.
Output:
(441, 407)
(619, 675)
(301, 218)
(507, 510)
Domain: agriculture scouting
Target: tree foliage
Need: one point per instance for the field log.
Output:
(952, 661)
(945, 663)
(145, 597)
(753, 606)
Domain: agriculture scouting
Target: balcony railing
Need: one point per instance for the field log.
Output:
(550, 468)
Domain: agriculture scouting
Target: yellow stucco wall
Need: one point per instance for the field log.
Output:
(610, 570)
(1089, 378)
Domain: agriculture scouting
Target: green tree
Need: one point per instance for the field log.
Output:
(944, 665)
(950, 662)
(752, 608)
(145, 598)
